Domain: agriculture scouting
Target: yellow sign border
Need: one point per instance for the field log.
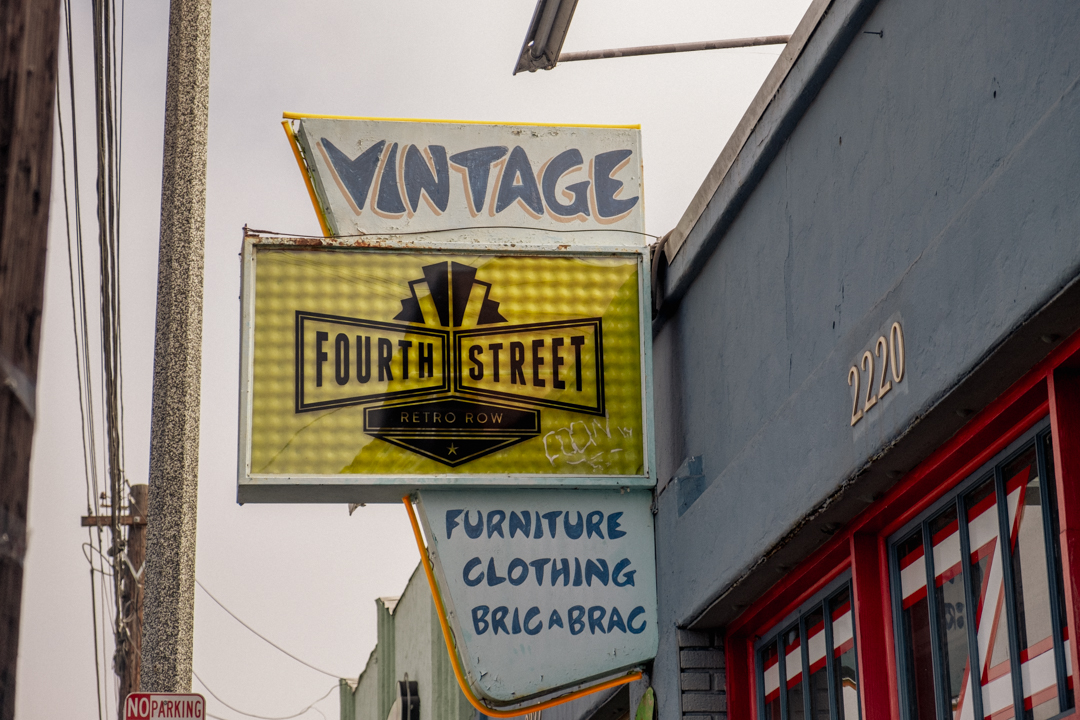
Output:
(347, 488)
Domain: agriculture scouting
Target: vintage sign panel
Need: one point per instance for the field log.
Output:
(370, 372)
(471, 181)
(543, 589)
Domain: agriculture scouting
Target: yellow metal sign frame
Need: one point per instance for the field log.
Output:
(294, 467)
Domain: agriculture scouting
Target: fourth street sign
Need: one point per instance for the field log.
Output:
(494, 336)
(382, 364)
(472, 335)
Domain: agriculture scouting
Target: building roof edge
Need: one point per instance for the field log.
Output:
(765, 94)
(816, 47)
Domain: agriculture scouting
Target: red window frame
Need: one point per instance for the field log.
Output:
(1051, 388)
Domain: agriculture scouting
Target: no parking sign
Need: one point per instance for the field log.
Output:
(155, 706)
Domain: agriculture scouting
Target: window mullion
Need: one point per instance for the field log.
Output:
(781, 669)
(1053, 562)
(1005, 534)
(759, 671)
(903, 651)
(855, 643)
(935, 635)
(803, 641)
(974, 661)
(830, 667)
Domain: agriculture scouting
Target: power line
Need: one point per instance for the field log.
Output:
(104, 42)
(79, 318)
(218, 717)
(261, 717)
(82, 364)
(263, 637)
(455, 229)
(93, 611)
(71, 281)
(78, 372)
(107, 82)
(104, 599)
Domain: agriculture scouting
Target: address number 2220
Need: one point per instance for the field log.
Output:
(889, 352)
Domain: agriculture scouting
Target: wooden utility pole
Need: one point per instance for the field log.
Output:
(131, 596)
(29, 31)
(129, 645)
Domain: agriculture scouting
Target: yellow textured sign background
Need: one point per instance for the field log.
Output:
(371, 285)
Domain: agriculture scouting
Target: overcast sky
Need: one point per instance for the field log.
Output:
(305, 575)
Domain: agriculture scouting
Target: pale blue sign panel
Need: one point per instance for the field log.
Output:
(544, 589)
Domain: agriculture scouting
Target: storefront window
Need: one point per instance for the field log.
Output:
(991, 556)
(807, 669)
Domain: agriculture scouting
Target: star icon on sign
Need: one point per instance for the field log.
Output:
(451, 450)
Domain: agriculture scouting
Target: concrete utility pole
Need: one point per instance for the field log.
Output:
(28, 38)
(174, 427)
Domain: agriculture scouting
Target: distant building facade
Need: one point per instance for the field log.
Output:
(410, 643)
(411, 649)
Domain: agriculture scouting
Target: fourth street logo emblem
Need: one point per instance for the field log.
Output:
(449, 379)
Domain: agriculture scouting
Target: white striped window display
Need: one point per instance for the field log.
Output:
(807, 670)
(992, 558)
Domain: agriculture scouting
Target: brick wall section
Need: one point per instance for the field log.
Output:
(701, 675)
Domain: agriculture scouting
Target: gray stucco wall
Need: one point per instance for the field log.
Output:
(935, 180)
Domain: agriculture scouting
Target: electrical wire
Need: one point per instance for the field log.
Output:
(108, 78)
(104, 659)
(106, 92)
(106, 217)
(218, 717)
(455, 229)
(263, 637)
(93, 610)
(82, 367)
(74, 315)
(103, 558)
(81, 321)
(119, 197)
(262, 717)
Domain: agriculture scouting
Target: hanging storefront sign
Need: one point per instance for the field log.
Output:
(475, 181)
(383, 371)
(498, 356)
(472, 335)
(543, 589)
